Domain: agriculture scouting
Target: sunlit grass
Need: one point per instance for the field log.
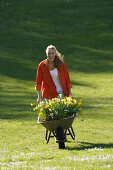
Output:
(22, 140)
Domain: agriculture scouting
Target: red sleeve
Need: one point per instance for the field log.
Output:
(69, 85)
(39, 78)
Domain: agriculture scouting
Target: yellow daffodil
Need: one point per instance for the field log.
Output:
(70, 96)
(58, 100)
(40, 114)
(51, 114)
(57, 108)
(75, 102)
(60, 95)
(44, 119)
(46, 106)
(69, 102)
(50, 103)
(64, 100)
(39, 106)
(68, 99)
(53, 100)
(80, 103)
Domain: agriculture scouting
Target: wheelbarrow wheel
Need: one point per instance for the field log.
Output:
(60, 138)
(61, 145)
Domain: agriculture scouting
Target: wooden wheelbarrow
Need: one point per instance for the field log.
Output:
(60, 129)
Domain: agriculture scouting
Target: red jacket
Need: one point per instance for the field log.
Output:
(44, 80)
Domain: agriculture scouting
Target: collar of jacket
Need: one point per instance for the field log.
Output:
(46, 63)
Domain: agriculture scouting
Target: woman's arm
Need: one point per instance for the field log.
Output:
(39, 96)
(69, 85)
(70, 93)
(68, 82)
(39, 78)
(39, 83)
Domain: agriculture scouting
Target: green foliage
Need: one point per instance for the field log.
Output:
(58, 108)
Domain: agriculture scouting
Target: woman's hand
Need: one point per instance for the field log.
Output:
(70, 93)
(39, 97)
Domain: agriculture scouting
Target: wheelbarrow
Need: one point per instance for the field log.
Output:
(60, 129)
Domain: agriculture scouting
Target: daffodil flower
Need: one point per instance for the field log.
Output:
(50, 103)
(60, 95)
(70, 96)
(51, 114)
(80, 103)
(44, 119)
(39, 106)
(58, 108)
(34, 109)
(75, 102)
(58, 100)
(40, 114)
(46, 106)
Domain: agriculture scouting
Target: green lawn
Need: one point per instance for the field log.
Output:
(83, 32)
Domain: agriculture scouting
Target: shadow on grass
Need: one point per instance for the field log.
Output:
(14, 69)
(19, 116)
(76, 83)
(17, 111)
(91, 146)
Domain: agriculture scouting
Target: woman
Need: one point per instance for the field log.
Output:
(52, 76)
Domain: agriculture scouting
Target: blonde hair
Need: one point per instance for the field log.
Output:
(50, 47)
(58, 57)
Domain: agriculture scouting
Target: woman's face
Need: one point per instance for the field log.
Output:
(51, 54)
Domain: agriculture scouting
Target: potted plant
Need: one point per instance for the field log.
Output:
(58, 108)
(57, 116)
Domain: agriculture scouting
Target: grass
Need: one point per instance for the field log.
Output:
(82, 31)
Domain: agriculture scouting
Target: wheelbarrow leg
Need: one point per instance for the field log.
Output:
(47, 137)
(71, 133)
(65, 135)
